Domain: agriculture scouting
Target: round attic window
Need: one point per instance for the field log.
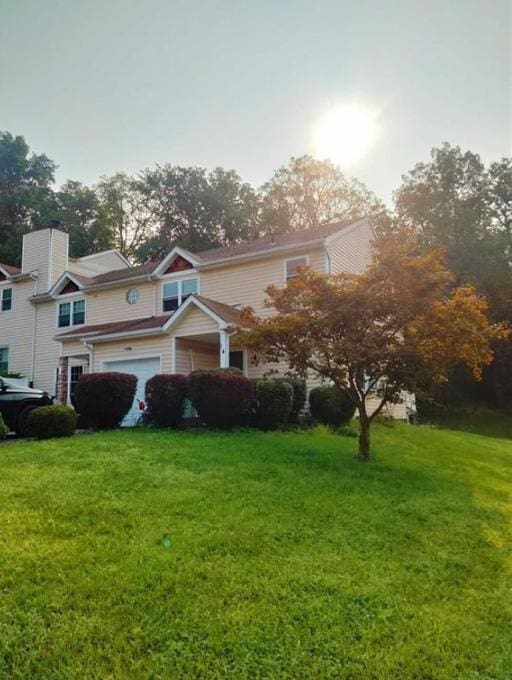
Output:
(132, 296)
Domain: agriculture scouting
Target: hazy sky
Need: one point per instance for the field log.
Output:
(108, 85)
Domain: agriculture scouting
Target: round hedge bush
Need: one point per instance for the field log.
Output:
(165, 399)
(222, 398)
(273, 402)
(103, 399)
(47, 422)
(299, 397)
(330, 406)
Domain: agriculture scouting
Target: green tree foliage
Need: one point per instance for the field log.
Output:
(26, 197)
(308, 193)
(196, 209)
(127, 210)
(453, 201)
(83, 216)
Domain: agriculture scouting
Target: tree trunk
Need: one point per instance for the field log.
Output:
(364, 436)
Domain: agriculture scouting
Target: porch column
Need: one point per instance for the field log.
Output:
(62, 382)
(224, 349)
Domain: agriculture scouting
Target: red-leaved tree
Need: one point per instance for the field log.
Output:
(379, 333)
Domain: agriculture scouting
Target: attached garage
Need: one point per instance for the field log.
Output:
(143, 368)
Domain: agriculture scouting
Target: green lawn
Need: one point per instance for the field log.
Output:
(142, 554)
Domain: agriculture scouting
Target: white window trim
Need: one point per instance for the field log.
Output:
(71, 299)
(180, 294)
(291, 259)
(2, 291)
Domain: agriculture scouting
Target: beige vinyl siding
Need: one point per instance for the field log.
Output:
(97, 264)
(244, 283)
(195, 356)
(48, 350)
(351, 251)
(73, 347)
(110, 305)
(397, 411)
(59, 256)
(195, 322)
(157, 346)
(45, 251)
(16, 327)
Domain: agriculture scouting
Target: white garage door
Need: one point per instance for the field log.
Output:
(143, 369)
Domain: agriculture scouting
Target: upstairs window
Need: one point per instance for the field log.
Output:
(71, 313)
(78, 312)
(291, 266)
(4, 360)
(6, 299)
(176, 292)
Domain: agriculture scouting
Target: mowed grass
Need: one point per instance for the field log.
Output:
(146, 554)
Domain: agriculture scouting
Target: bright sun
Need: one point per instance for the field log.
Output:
(345, 134)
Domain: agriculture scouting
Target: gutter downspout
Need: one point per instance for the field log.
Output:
(90, 349)
(34, 277)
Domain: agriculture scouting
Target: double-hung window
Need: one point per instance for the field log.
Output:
(6, 299)
(71, 313)
(4, 360)
(78, 312)
(291, 266)
(176, 292)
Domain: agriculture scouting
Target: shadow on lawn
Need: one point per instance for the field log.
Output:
(496, 424)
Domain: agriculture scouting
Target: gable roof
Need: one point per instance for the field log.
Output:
(144, 324)
(227, 313)
(261, 246)
(9, 269)
(153, 324)
(269, 243)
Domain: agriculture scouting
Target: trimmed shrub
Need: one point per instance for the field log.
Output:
(330, 406)
(103, 399)
(273, 402)
(46, 422)
(222, 399)
(299, 397)
(165, 399)
(4, 430)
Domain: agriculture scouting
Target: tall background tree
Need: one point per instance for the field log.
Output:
(84, 217)
(126, 209)
(26, 196)
(196, 209)
(454, 201)
(308, 193)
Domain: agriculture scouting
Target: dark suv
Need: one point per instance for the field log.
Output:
(17, 401)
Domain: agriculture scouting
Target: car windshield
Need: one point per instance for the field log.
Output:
(13, 382)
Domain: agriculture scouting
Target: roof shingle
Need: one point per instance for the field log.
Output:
(148, 323)
(12, 271)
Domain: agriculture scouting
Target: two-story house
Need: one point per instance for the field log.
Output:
(61, 317)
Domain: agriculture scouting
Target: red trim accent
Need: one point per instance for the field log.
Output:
(70, 287)
(179, 264)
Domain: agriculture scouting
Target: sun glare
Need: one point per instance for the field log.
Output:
(345, 134)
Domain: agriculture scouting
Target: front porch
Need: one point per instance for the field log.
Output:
(196, 337)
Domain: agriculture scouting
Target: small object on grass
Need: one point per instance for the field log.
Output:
(166, 542)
